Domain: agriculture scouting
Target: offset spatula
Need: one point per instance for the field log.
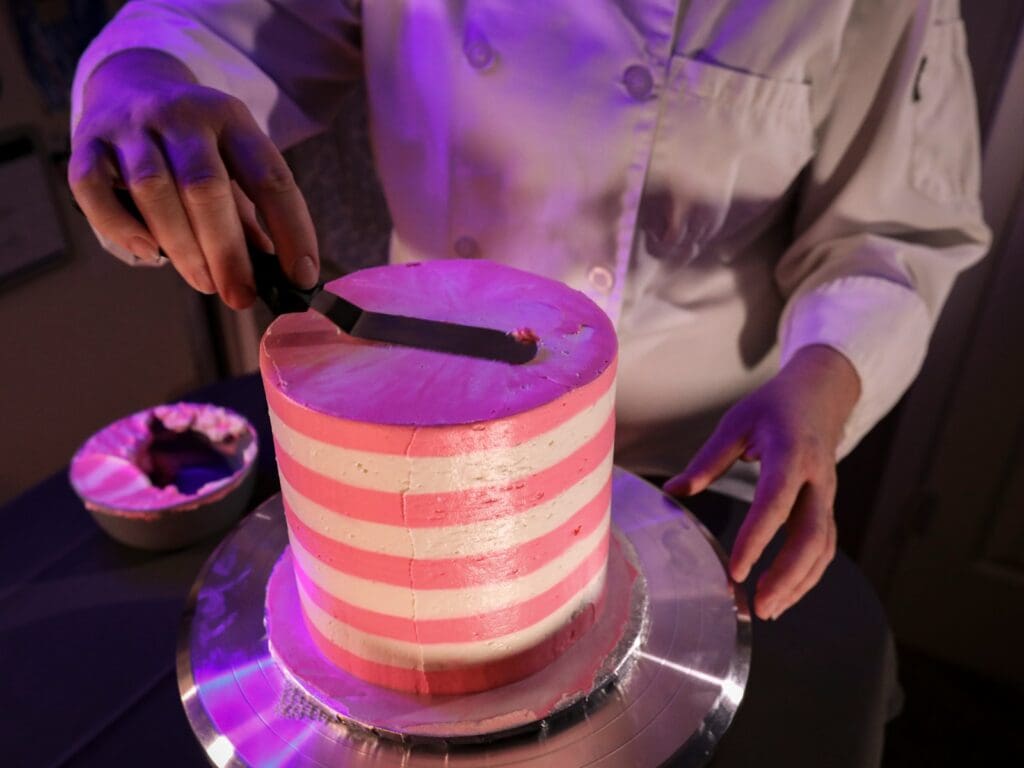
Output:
(281, 296)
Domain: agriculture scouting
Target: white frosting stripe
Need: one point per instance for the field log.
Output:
(429, 604)
(451, 540)
(445, 474)
(398, 653)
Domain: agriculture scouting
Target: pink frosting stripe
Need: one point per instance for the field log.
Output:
(458, 572)
(431, 510)
(464, 679)
(435, 441)
(463, 629)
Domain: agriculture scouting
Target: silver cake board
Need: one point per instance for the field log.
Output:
(588, 666)
(672, 689)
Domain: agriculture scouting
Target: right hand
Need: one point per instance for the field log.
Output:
(197, 166)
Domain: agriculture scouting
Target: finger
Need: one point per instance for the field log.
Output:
(727, 444)
(92, 177)
(152, 187)
(774, 497)
(816, 572)
(264, 176)
(806, 541)
(254, 231)
(205, 190)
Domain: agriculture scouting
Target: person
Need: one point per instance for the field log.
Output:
(770, 200)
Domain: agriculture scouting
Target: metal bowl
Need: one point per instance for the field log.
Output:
(112, 473)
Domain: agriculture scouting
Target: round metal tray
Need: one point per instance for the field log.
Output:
(676, 691)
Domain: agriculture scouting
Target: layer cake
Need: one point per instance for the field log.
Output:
(448, 516)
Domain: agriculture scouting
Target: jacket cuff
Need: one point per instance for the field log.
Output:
(880, 326)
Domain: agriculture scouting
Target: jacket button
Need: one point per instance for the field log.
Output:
(478, 51)
(467, 248)
(601, 278)
(638, 81)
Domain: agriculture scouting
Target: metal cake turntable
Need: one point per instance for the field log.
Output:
(668, 690)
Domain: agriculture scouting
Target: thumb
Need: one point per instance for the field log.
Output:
(726, 444)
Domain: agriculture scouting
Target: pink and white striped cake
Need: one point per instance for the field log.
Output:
(448, 516)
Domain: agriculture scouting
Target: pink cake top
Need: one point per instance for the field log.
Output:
(176, 455)
(319, 366)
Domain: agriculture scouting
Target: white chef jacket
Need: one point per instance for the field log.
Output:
(730, 181)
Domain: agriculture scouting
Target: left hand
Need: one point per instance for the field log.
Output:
(792, 425)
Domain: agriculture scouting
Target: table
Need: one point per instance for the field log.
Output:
(88, 630)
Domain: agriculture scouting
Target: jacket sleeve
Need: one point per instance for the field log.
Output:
(288, 60)
(889, 212)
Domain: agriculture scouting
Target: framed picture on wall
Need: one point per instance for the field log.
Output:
(32, 235)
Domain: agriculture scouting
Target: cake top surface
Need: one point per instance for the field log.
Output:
(317, 365)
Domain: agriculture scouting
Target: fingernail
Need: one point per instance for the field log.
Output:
(306, 273)
(203, 280)
(144, 249)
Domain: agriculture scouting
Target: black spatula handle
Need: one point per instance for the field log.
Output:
(274, 287)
